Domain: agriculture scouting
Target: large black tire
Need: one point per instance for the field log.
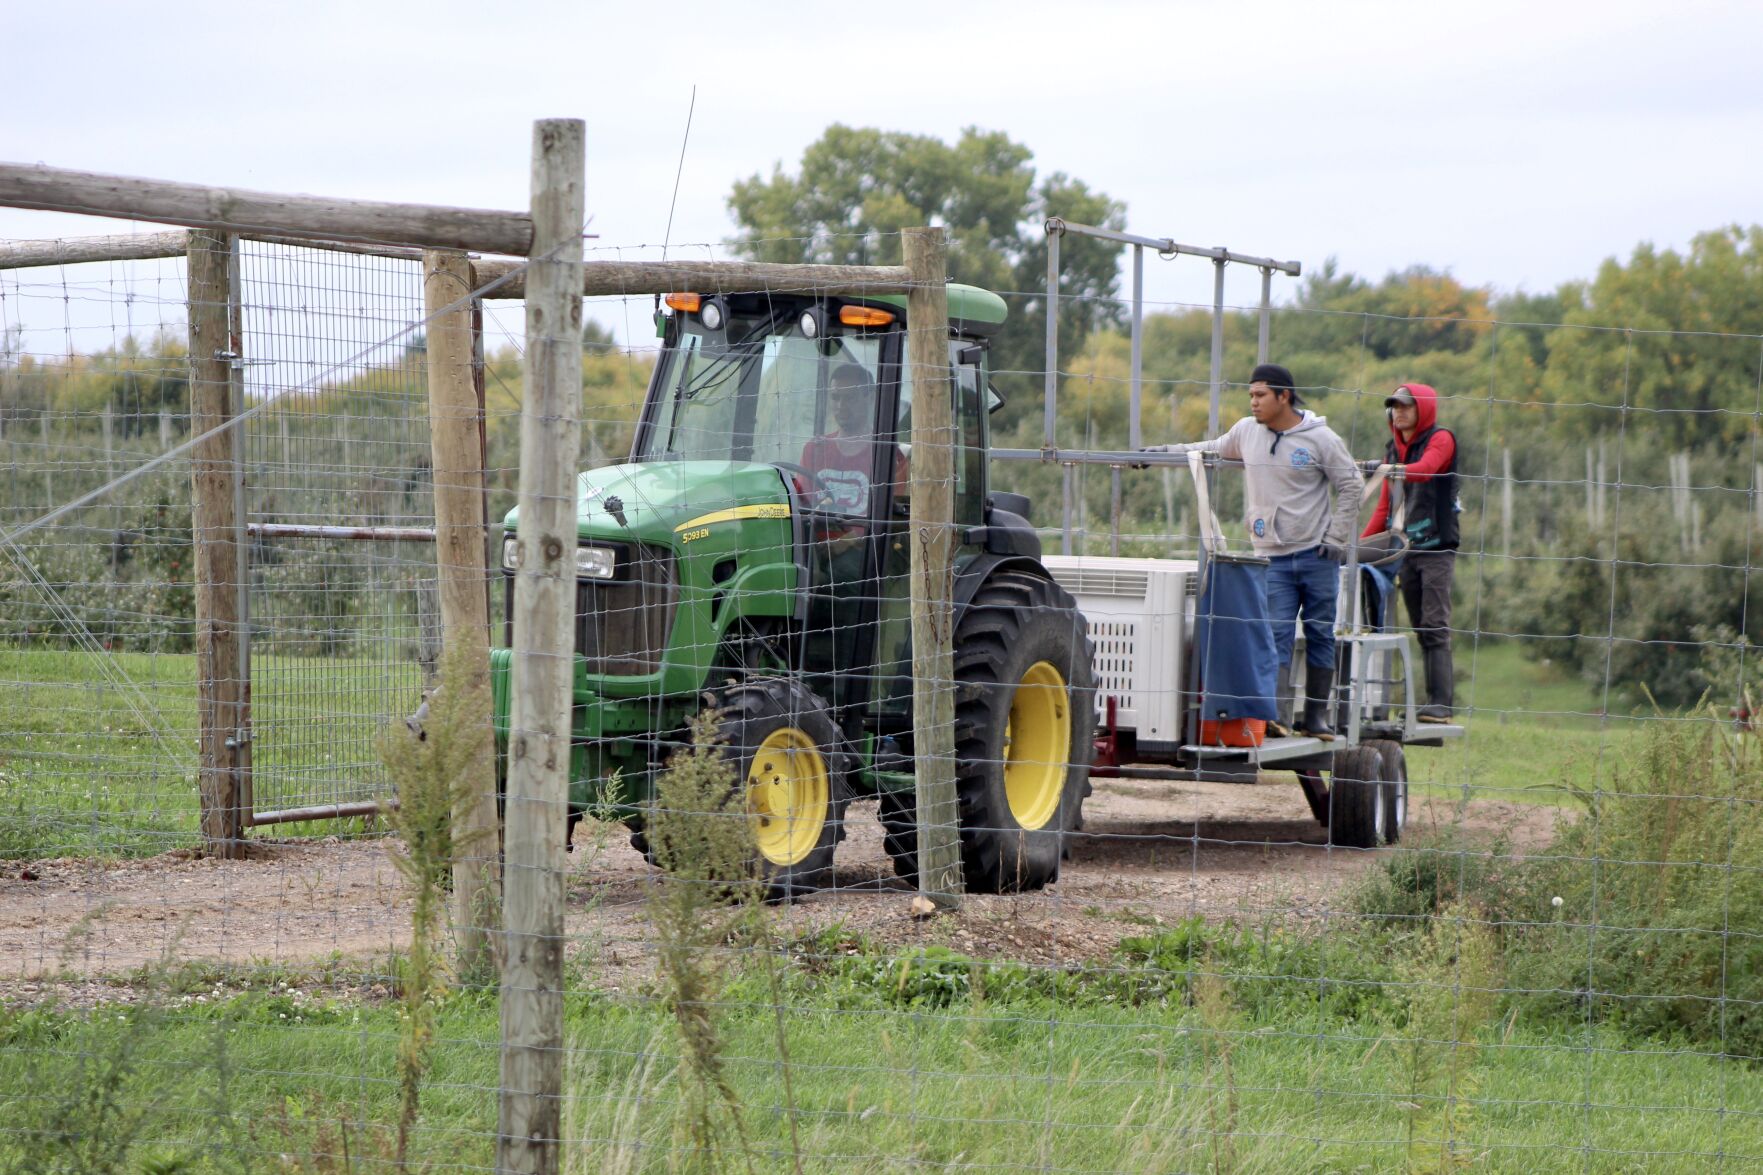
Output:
(1395, 788)
(1356, 803)
(793, 771)
(1023, 663)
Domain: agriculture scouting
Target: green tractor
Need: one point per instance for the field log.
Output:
(752, 558)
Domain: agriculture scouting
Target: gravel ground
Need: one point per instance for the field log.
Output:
(81, 931)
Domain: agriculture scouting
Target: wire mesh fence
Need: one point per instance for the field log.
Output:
(344, 631)
(1548, 957)
(97, 607)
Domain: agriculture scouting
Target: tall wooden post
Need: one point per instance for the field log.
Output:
(1591, 489)
(48, 458)
(215, 480)
(530, 1120)
(1505, 503)
(460, 524)
(932, 529)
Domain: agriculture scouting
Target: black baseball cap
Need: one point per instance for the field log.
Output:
(1401, 396)
(1276, 377)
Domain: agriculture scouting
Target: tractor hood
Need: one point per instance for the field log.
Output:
(660, 498)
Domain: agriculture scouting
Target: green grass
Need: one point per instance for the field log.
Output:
(894, 1068)
(98, 752)
(1536, 732)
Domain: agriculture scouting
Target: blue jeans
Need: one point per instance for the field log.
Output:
(1303, 584)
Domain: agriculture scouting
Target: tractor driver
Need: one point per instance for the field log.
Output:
(844, 459)
(843, 462)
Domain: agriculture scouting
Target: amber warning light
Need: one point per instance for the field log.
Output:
(687, 303)
(864, 316)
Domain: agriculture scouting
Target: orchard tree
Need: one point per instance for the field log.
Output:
(1672, 336)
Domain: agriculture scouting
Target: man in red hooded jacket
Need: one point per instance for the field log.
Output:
(1427, 455)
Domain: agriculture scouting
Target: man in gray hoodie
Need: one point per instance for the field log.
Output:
(1293, 464)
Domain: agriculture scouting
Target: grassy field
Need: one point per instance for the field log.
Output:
(1535, 732)
(98, 751)
(897, 1064)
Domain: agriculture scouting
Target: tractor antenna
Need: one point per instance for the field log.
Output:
(668, 235)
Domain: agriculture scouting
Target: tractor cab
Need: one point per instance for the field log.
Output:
(819, 390)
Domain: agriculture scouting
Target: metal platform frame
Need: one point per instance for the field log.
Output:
(1167, 248)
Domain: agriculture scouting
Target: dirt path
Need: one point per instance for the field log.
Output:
(1152, 853)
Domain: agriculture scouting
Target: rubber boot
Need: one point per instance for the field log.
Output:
(1441, 686)
(1283, 706)
(1318, 698)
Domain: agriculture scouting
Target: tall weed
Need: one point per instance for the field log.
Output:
(435, 768)
(1453, 980)
(1659, 926)
(1645, 911)
(708, 907)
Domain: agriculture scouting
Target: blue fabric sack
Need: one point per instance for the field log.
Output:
(1233, 640)
(1377, 593)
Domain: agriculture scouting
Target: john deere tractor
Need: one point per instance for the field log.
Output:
(751, 557)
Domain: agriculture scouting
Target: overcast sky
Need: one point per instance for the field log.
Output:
(1516, 144)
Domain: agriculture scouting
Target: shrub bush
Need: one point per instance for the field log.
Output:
(1658, 926)
(1660, 923)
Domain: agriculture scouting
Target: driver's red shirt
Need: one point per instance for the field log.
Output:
(844, 469)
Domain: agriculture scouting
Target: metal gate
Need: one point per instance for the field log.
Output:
(342, 621)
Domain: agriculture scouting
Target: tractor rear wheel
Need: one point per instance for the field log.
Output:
(1024, 721)
(1357, 817)
(791, 767)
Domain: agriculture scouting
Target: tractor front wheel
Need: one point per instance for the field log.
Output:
(791, 769)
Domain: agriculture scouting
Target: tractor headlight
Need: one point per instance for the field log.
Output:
(591, 562)
(595, 562)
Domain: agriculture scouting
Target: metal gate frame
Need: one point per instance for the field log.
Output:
(252, 533)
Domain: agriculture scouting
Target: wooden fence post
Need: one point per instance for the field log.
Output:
(1505, 503)
(460, 569)
(530, 1118)
(48, 460)
(214, 485)
(1591, 489)
(932, 529)
(109, 433)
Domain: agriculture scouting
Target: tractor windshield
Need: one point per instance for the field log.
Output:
(762, 391)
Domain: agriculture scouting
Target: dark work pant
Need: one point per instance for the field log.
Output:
(1426, 589)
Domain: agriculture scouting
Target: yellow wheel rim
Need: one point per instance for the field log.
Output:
(1037, 745)
(788, 794)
